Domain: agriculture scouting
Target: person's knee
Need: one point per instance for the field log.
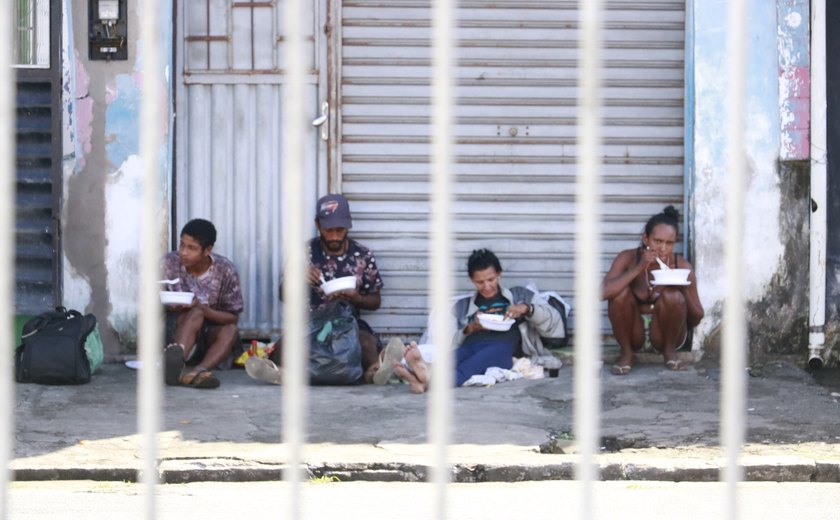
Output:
(625, 299)
(624, 294)
(671, 299)
(192, 320)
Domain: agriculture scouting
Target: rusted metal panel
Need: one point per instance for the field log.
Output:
(516, 136)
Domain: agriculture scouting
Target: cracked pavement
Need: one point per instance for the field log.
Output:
(655, 424)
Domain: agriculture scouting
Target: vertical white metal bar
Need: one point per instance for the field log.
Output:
(295, 297)
(587, 259)
(149, 324)
(819, 173)
(733, 405)
(7, 255)
(440, 410)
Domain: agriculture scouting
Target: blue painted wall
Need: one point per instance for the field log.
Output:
(774, 49)
(103, 173)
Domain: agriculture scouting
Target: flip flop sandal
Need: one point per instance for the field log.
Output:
(173, 364)
(201, 378)
(675, 365)
(393, 352)
(621, 370)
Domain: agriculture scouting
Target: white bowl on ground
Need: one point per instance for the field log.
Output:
(345, 283)
(176, 297)
(671, 276)
(495, 322)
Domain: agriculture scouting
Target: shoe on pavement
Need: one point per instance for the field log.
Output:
(393, 351)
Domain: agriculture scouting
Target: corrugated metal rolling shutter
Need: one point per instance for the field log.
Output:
(228, 141)
(36, 287)
(516, 147)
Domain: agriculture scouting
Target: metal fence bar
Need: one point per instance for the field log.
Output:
(441, 282)
(733, 395)
(149, 322)
(7, 255)
(587, 260)
(295, 128)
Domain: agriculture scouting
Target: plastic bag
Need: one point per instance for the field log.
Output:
(335, 355)
(256, 349)
(93, 349)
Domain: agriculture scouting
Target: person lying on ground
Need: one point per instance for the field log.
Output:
(203, 333)
(642, 311)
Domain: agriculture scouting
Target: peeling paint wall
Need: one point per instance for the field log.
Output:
(102, 175)
(794, 80)
(775, 207)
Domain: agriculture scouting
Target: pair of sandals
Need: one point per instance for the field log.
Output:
(174, 373)
(672, 364)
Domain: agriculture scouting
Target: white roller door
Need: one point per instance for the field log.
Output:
(516, 147)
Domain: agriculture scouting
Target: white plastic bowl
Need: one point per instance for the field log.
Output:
(495, 322)
(671, 276)
(176, 297)
(345, 283)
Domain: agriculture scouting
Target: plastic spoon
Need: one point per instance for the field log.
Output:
(663, 265)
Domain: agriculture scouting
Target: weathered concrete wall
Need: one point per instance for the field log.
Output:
(775, 258)
(778, 321)
(102, 175)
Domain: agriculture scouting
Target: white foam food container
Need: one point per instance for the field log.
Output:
(678, 276)
(345, 283)
(176, 297)
(495, 322)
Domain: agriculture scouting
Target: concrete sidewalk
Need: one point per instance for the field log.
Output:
(656, 425)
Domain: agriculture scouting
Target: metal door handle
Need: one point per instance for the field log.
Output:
(320, 120)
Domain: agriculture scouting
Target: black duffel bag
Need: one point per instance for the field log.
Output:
(52, 349)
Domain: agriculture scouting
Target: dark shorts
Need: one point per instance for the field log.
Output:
(202, 343)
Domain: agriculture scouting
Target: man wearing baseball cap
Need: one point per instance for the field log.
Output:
(333, 213)
(332, 254)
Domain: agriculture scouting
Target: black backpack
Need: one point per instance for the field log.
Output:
(52, 349)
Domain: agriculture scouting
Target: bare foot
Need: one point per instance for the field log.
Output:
(414, 384)
(416, 364)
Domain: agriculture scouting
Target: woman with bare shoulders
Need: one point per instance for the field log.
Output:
(639, 309)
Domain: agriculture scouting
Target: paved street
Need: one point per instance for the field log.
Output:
(656, 425)
(403, 501)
